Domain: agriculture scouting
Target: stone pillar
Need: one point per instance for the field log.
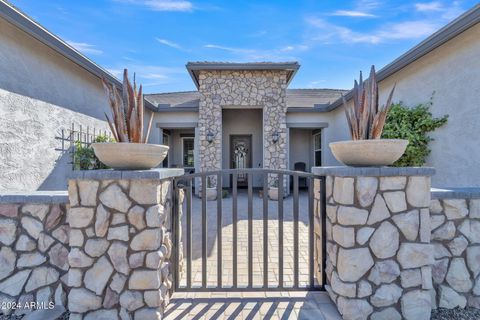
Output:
(121, 262)
(264, 89)
(455, 224)
(379, 255)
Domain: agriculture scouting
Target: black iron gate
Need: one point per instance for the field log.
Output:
(275, 188)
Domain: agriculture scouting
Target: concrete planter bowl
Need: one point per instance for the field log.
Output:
(211, 193)
(273, 193)
(369, 153)
(130, 156)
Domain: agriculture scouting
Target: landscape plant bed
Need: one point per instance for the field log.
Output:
(455, 314)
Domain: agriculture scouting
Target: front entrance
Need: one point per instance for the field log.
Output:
(241, 156)
(246, 240)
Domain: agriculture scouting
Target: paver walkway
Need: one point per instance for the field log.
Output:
(252, 305)
(257, 237)
(313, 305)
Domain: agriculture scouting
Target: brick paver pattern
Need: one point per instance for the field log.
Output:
(242, 244)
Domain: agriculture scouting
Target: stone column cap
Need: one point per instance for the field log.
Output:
(110, 174)
(456, 193)
(344, 171)
(43, 197)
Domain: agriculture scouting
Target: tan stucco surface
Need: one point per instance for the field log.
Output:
(41, 92)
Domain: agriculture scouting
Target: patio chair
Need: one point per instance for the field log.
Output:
(301, 166)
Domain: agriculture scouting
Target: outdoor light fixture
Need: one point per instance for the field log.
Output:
(210, 137)
(275, 137)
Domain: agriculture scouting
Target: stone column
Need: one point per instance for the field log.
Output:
(379, 255)
(121, 262)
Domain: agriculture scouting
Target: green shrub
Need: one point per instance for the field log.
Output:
(84, 157)
(412, 124)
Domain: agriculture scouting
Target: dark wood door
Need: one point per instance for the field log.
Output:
(241, 155)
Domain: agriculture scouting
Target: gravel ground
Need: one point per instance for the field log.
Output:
(13, 317)
(455, 314)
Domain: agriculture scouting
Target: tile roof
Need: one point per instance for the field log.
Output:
(300, 99)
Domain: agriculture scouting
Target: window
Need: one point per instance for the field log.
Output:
(317, 149)
(188, 152)
(166, 142)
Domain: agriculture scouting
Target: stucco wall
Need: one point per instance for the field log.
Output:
(176, 146)
(301, 149)
(451, 71)
(41, 92)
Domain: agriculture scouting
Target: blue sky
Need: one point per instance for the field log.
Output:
(332, 40)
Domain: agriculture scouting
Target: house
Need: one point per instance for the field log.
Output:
(244, 114)
(241, 115)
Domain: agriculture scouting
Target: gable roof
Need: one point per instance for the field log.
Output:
(298, 100)
(194, 67)
(22, 21)
(448, 32)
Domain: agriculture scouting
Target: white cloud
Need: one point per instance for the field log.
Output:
(230, 49)
(330, 32)
(148, 75)
(169, 43)
(169, 5)
(453, 10)
(289, 48)
(162, 5)
(404, 30)
(250, 54)
(85, 48)
(429, 6)
(409, 30)
(352, 13)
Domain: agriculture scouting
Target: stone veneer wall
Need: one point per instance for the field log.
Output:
(455, 221)
(33, 254)
(378, 234)
(263, 89)
(121, 244)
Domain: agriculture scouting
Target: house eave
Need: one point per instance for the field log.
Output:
(317, 108)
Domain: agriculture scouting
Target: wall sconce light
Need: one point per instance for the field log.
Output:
(209, 137)
(275, 137)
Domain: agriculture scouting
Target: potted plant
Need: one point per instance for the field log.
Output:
(366, 120)
(131, 150)
(211, 190)
(273, 190)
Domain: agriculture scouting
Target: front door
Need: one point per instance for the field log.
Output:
(241, 155)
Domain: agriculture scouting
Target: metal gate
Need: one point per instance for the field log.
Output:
(275, 253)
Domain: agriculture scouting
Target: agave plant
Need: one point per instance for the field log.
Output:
(365, 118)
(127, 110)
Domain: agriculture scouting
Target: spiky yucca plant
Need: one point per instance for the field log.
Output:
(127, 110)
(365, 118)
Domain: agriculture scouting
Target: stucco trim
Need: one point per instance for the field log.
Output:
(176, 125)
(316, 108)
(307, 125)
(176, 109)
(445, 34)
(20, 20)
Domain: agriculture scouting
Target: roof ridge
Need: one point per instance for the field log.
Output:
(196, 91)
(171, 92)
(312, 89)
